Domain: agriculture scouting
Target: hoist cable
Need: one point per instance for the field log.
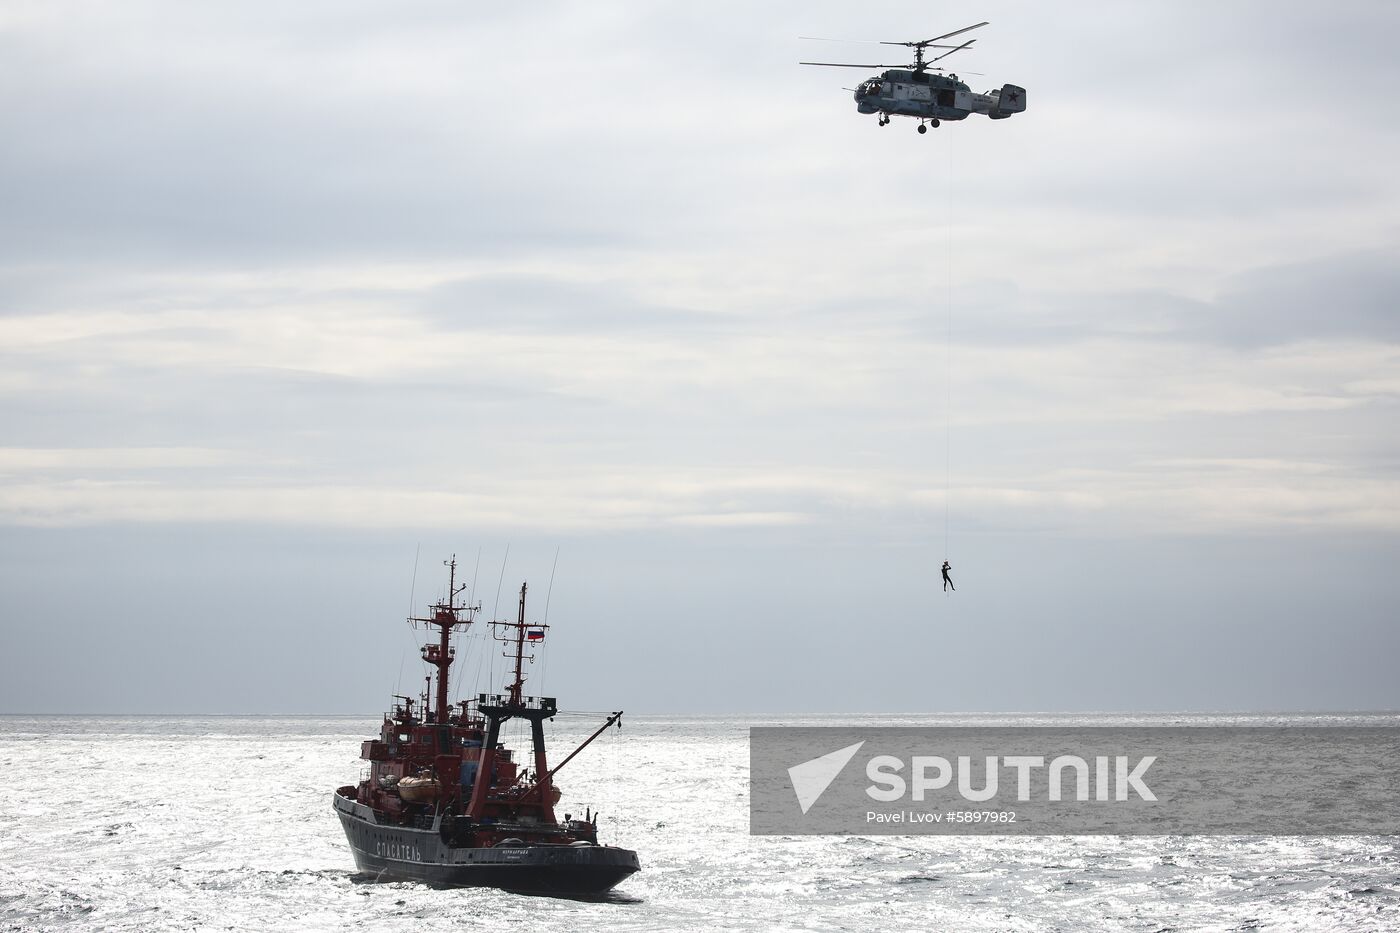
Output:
(948, 357)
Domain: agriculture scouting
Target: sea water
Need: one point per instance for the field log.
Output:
(225, 823)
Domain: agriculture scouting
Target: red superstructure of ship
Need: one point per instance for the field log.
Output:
(446, 803)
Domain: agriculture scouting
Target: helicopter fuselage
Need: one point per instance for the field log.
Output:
(933, 97)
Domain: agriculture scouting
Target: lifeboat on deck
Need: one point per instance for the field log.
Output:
(422, 789)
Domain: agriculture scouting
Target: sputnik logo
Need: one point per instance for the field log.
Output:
(811, 778)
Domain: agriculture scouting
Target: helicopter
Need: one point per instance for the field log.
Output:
(912, 91)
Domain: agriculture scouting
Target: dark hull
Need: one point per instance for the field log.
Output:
(403, 853)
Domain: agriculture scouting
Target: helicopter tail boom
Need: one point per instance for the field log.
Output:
(1002, 103)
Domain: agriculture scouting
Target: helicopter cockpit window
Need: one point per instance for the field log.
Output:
(870, 87)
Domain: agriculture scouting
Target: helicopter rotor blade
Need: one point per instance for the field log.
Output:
(923, 45)
(965, 45)
(847, 65)
(956, 32)
(908, 45)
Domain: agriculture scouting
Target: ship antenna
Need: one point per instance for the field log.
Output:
(476, 571)
(496, 608)
(550, 591)
(544, 667)
(413, 583)
(471, 601)
(491, 673)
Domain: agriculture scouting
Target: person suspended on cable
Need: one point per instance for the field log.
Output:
(947, 580)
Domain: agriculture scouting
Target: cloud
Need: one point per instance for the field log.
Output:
(545, 303)
(1350, 296)
(359, 261)
(59, 489)
(286, 288)
(1340, 297)
(14, 459)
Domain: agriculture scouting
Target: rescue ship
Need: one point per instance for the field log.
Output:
(443, 801)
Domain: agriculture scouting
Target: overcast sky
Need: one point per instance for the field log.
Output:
(290, 293)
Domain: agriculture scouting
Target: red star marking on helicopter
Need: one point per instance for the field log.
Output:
(1013, 97)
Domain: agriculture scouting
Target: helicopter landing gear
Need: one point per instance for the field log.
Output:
(922, 128)
(934, 123)
(884, 120)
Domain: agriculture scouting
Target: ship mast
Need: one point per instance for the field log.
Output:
(514, 704)
(519, 682)
(446, 616)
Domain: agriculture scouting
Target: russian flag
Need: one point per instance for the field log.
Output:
(535, 634)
